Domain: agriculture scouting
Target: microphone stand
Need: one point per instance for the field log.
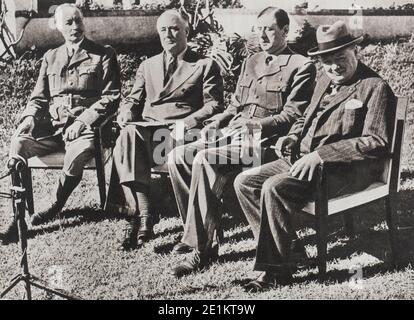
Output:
(16, 167)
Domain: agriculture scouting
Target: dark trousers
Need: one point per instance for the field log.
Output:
(133, 155)
(269, 197)
(137, 150)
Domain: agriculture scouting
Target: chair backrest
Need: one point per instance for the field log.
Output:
(394, 168)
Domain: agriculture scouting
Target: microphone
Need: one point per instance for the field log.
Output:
(15, 164)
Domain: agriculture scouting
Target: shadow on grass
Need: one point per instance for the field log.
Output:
(237, 256)
(167, 248)
(174, 230)
(79, 216)
(345, 275)
(334, 276)
(243, 235)
(188, 290)
(370, 241)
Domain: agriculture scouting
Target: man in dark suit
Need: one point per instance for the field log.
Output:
(176, 87)
(78, 87)
(273, 91)
(348, 126)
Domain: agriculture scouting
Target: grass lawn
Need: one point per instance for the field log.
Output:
(79, 252)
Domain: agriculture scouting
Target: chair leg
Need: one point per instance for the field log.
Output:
(100, 172)
(321, 215)
(392, 227)
(349, 224)
(322, 245)
(29, 191)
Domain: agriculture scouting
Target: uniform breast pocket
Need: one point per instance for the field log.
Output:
(245, 85)
(54, 80)
(88, 77)
(275, 95)
(353, 121)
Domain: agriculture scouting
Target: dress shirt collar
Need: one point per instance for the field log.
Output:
(74, 47)
(180, 56)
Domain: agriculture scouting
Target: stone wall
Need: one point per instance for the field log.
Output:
(130, 29)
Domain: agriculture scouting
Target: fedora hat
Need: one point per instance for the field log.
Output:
(332, 38)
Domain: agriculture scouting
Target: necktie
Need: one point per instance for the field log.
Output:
(71, 52)
(172, 66)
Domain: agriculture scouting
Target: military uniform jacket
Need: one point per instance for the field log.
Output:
(193, 93)
(355, 129)
(281, 87)
(91, 76)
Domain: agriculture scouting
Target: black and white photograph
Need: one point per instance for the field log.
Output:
(218, 152)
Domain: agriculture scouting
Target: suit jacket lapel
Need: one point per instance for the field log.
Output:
(342, 95)
(157, 73)
(320, 90)
(187, 67)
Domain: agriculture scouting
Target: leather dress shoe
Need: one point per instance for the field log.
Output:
(197, 262)
(46, 216)
(182, 248)
(268, 280)
(10, 235)
(131, 233)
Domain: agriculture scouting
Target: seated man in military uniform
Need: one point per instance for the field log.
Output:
(274, 89)
(78, 87)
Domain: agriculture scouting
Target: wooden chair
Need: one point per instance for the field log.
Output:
(321, 208)
(54, 161)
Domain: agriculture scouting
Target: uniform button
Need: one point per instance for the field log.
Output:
(260, 81)
(71, 83)
(257, 97)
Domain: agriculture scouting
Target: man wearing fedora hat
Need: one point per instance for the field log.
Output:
(348, 126)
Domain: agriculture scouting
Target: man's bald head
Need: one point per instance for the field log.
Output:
(174, 13)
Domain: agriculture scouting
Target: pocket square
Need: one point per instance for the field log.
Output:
(353, 104)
